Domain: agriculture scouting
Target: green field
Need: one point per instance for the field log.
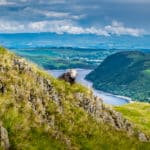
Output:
(64, 58)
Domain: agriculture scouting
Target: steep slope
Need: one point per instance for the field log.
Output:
(124, 73)
(137, 113)
(40, 112)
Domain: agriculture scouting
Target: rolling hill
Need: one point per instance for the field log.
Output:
(124, 73)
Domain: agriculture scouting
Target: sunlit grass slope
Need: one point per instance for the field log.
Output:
(42, 113)
(139, 113)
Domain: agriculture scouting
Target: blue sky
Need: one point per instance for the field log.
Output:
(100, 17)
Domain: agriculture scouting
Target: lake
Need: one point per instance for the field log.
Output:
(106, 97)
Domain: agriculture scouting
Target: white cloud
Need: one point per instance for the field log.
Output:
(55, 14)
(77, 17)
(67, 26)
(129, 1)
(119, 29)
(64, 26)
(51, 14)
(6, 2)
(6, 26)
(116, 28)
(52, 2)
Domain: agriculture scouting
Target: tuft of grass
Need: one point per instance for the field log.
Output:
(3, 50)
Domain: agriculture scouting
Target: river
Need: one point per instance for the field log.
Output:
(106, 97)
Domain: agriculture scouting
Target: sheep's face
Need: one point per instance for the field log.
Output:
(73, 73)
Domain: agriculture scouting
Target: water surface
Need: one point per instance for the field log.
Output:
(106, 97)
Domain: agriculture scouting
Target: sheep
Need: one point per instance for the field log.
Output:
(69, 76)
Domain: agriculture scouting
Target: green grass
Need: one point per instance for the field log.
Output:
(139, 113)
(146, 73)
(71, 128)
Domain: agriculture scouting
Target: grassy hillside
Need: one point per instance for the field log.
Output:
(137, 113)
(42, 113)
(124, 73)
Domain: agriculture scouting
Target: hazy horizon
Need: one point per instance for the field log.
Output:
(34, 40)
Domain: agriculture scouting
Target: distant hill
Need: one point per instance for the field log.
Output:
(39, 112)
(124, 73)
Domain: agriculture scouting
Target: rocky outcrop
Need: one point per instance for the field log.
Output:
(4, 140)
(142, 137)
(95, 107)
(21, 65)
(101, 112)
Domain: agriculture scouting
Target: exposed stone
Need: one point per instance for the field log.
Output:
(94, 106)
(4, 140)
(2, 87)
(21, 65)
(142, 137)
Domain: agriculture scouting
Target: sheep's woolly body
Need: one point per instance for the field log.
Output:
(69, 76)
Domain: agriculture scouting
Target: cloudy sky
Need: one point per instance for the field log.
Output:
(101, 17)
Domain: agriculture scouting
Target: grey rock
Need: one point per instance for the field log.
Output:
(95, 107)
(2, 87)
(4, 140)
(142, 137)
(21, 65)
